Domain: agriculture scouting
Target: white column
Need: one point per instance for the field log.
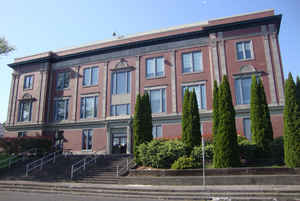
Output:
(42, 100)
(129, 138)
(104, 90)
(108, 140)
(137, 76)
(222, 53)
(214, 54)
(173, 81)
(49, 95)
(75, 94)
(15, 101)
(11, 98)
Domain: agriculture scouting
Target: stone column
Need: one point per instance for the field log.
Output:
(214, 54)
(108, 139)
(277, 63)
(104, 90)
(222, 53)
(75, 94)
(11, 98)
(137, 76)
(129, 138)
(173, 81)
(43, 92)
(269, 65)
(15, 99)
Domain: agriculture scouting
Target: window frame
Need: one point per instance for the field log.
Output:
(25, 79)
(242, 99)
(114, 82)
(154, 134)
(155, 67)
(90, 82)
(163, 106)
(86, 141)
(66, 109)
(21, 134)
(244, 51)
(113, 112)
(95, 107)
(193, 65)
(21, 111)
(244, 127)
(64, 81)
(201, 98)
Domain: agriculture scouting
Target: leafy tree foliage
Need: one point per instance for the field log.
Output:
(186, 119)
(5, 47)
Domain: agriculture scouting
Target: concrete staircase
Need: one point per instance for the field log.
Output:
(104, 171)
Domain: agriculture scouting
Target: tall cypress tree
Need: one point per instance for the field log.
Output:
(256, 113)
(226, 153)
(291, 117)
(196, 131)
(147, 125)
(298, 89)
(215, 113)
(186, 119)
(137, 125)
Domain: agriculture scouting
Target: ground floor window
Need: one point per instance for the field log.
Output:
(118, 110)
(119, 143)
(22, 134)
(247, 128)
(87, 139)
(157, 131)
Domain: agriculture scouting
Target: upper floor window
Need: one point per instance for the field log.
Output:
(61, 108)
(117, 110)
(242, 90)
(87, 139)
(28, 82)
(158, 100)
(63, 79)
(192, 62)
(120, 82)
(25, 110)
(247, 128)
(244, 50)
(22, 134)
(88, 107)
(156, 131)
(155, 67)
(90, 76)
(200, 91)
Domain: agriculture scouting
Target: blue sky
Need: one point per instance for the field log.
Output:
(34, 26)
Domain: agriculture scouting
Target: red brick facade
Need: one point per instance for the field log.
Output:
(216, 40)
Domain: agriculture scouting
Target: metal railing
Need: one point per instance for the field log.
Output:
(40, 163)
(19, 157)
(124, 166)
(83, 164)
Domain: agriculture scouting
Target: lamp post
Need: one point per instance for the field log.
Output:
(203, 160)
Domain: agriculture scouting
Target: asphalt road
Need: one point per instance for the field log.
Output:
(20, 196)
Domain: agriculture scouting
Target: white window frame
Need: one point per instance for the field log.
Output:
(25, 87)
(21, 111)
(155, 67)
(90, 83)
(63, 74)
(193, 65)
(114, 112)
(244, 50)
(114, 81)
(154, 131)
(148, 90)
(21, 134)
(66, 108)
(242, 99)
(244, 128)
(192, 84)
(89, 132)
(95, 107)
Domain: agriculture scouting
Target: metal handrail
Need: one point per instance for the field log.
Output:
(124, 166)
(21, 156)
(40, 163)
(83, 164)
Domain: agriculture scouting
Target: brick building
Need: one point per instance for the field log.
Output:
(87, 93)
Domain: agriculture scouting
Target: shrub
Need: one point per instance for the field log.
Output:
(277, 151)
(248, 151)
(196, 154)
(183, 162)
(161, 153)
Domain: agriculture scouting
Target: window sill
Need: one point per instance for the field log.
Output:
(27, 89)
(157, 77)
(64, 89)
(241, 60)
(188, 73)
(88, 86)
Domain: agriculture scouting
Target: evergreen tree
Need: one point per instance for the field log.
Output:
(215, 113)
(298, 89)
(147, 124)
(226, 152)
(186, 119)
(196, 130)
(137, 125)
(291, 117)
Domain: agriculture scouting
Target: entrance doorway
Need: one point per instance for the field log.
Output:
(119, 143)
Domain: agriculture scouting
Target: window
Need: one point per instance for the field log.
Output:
(192, 62)
(28, 82)
(247, 128)
(90, 76)
(157, 100)
(25, 108)
(155, 67)
(63, 79)
(88, 107)
(117, 110)
(244, 50)
(157, 131)
(22, 134)
(121, 82)
(200, 91)
(87, 139)
(242, 90)
(61, 108)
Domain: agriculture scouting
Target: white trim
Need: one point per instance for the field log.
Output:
(155, 87)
